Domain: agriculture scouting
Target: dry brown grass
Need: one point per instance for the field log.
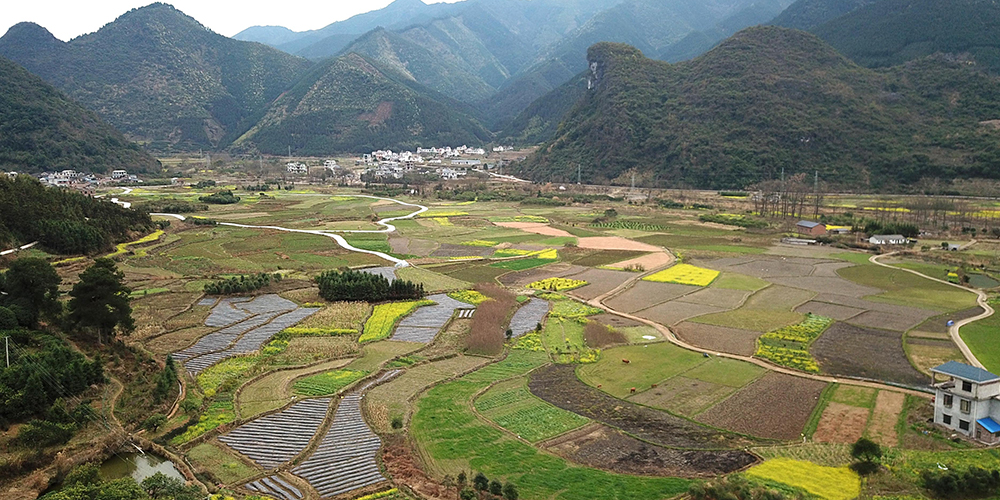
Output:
(601, 336)
(488, 324)
(340, 315)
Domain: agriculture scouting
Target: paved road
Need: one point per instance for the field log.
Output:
(386, 223)
(954, 330)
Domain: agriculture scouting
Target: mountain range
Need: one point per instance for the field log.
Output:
(769, 99)
(41, 129)
(160, 77)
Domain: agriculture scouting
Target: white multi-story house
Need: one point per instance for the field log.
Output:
(119, 174)
(888, 239)
(968, 402)
(297, 168)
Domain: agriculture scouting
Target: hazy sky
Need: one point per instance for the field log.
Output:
(67, 19)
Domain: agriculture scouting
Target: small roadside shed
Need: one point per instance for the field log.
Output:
(887, 239)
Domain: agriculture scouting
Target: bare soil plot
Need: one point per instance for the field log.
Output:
(276, 439)
(773, 268)
(602, 447)
(925, 357)
(646, 262)
(888, 321)
(820, 284)
(558, 385)
(537, 228)
(600, 282)
(674, 312)
(448, 250)
(835, 311)
(590, 258)
(778, 298)
(616, 243)
(829, 269)
(730, 262)
(939, 324)
(524, 278)
(845, 300)
(841, 423)
(865, 352)
(718, 338)
(412, 246)
(615, 321)
(776, 406)
(646, 294)
(882, 427)
(180, 339)
(718, 297)
(686, 396)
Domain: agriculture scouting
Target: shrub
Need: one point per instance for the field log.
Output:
(489, 324)
(601, 336)
(973, 483)
(42, 433)
(220, 198)
(734, 220)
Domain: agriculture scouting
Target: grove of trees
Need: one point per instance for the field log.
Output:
(241, 284)
(351, 285)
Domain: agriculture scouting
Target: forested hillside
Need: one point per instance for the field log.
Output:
(64, 221)
(160, 76)
(769, 99)
(348, 104)
(890, 32)
(808, 14)
(41, 129)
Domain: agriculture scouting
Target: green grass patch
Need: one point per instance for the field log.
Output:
(648, 364)
(850, 395)
(733, 281)
(433, 282)
(222, 464)
(511, 406)
(727, 372)
(327, 383)
(982, 336)
(853, 257)
(907, 289)
(454, 439)
(606, 257)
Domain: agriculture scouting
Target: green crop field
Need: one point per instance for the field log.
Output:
(648, 364)
(327, 383)
(733, 281)
(751, 319)
(511, 406)
(907, 289)
(453, 439)
(981, 336)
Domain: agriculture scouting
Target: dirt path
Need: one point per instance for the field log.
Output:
(954, 330)
(672, 338)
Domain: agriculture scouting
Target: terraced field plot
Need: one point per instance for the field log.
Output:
(275, 486)
(511, 406)
(424, 324)
(344, 461)
(528, 316)
(250, 341)
(276, 439)
(646, 294)
(718, 338)
(865, 352)
(780, 405)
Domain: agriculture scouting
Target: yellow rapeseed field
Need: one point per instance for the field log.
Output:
(556, 284)
(828, 483)
(685, 274)
(384, 318)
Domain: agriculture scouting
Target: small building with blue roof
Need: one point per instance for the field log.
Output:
(968, 401)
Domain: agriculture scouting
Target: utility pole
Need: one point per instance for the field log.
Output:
(633, 180)
(816, 193)
(579, 174)
(6, 349)
(782, 174)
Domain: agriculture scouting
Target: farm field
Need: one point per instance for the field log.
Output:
(559, 418)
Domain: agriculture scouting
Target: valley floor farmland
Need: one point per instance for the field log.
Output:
(559, 412)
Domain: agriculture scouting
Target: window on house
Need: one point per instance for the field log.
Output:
(966, 406)
(947, 420)
(963, 424)
(948, 400)
(966, 386)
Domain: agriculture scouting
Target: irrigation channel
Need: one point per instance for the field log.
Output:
(386, 224)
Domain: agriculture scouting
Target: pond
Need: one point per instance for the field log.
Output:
(982, 281)
(137, 466)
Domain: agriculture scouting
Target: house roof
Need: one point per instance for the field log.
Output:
(965, 372)
(810, 225)
(888, 236)
(989, 424)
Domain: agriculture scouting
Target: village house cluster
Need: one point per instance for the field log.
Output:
(303, 169)
(447, 163)
(82, 182)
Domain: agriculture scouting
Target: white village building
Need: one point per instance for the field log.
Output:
(968, 402)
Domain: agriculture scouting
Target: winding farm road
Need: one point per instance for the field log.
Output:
(329, 233)
(598, 302)
(954, 330)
